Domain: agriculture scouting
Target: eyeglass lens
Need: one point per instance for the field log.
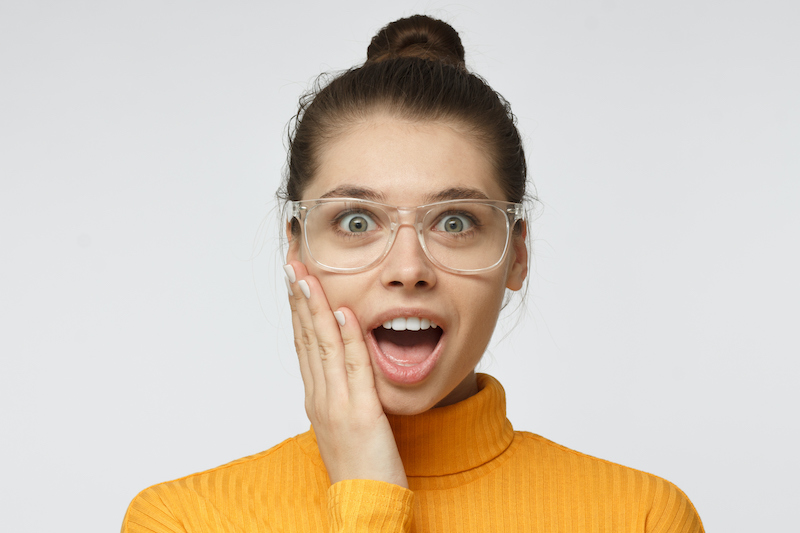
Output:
(461, 236)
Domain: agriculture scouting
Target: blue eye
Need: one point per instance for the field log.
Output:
(356, 223)
(454, 224)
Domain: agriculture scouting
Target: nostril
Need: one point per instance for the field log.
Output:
(420, 284)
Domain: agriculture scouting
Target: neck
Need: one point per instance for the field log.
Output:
(468, 387)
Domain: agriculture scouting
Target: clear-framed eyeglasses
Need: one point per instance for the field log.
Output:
(350, 235)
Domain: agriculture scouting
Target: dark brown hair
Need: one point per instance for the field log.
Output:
(415, 70)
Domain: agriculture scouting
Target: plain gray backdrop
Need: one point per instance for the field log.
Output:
(144, 330)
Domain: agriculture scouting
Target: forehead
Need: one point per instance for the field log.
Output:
(404, 163)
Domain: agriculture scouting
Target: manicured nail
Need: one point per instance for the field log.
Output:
(304, 287)
(339, 317)
(290, 273)
(288, 286)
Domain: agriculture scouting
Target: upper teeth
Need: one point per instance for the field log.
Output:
(411, 323)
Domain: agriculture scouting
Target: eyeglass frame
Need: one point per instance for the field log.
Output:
(514, 213)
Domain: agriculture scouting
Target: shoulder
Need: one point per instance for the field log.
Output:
(607, 487)
(288, 452)
(167, 507)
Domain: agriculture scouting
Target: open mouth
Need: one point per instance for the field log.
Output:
(407, 348)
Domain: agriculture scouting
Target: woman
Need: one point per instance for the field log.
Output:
(405, 185)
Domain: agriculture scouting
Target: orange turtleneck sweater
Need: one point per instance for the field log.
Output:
(468, 471)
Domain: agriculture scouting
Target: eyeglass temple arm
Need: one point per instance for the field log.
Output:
(296, 208)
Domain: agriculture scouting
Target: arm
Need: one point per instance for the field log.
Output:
(673, 512)
(147, 513)
(368, 505)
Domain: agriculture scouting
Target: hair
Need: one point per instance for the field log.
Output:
(414, 71)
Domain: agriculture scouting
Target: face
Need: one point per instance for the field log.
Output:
(406, 164)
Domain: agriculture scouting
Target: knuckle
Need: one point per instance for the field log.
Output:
(348, 340)
(299, 347)
(353, 338)
(308, 335)
(353, 368)
(326, 350)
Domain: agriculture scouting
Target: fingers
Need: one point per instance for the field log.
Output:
(301, 346)
(305, 339)
(327, 342)
(334, 360)
(357, 365)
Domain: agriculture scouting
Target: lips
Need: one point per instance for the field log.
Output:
(407, 348)
(406, 353)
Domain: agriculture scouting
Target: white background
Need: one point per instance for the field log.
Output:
(143, 326)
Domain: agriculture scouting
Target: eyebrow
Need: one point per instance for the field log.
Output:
(365, 193)
(457, 193)
(352, 191)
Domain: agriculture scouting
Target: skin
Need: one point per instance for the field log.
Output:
(347, 395)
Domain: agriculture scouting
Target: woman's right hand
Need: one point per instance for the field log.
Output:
(353, 433)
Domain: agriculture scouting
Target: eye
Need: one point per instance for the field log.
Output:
(454, 224)
(357, 223)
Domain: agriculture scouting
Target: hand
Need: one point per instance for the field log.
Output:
(353, 433)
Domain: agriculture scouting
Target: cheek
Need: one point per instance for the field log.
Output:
(342, 290)
(479, 300)
(484, 307)
(333, 290)
(495, 289)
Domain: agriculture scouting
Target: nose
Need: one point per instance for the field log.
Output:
(406, 265)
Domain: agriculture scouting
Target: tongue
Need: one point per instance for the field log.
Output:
(407, 347)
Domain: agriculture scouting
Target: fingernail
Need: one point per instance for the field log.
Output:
(288, 286)
(339, 317)
(304, 287)
(290, 273)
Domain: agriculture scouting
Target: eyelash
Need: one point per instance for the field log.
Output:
(335, 223)
(462, 234)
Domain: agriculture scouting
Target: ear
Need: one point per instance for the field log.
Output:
(518, 270)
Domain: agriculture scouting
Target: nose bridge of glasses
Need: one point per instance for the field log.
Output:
(405, 216)
(410, 217)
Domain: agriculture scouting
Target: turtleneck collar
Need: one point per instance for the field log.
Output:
(455, 438)
(446, 440)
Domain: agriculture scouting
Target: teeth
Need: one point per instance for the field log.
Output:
(411, 323)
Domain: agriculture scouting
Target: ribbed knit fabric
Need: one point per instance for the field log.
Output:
(468, 471)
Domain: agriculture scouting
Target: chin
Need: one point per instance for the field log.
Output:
(404, 401)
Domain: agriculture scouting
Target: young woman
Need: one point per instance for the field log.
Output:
(405, 190)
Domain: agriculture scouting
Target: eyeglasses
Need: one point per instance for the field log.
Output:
(349, 235)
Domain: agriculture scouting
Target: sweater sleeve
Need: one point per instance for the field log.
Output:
(361, 505)
(673, 512)
(147, 513)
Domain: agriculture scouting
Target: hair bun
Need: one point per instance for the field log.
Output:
(417, 36)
